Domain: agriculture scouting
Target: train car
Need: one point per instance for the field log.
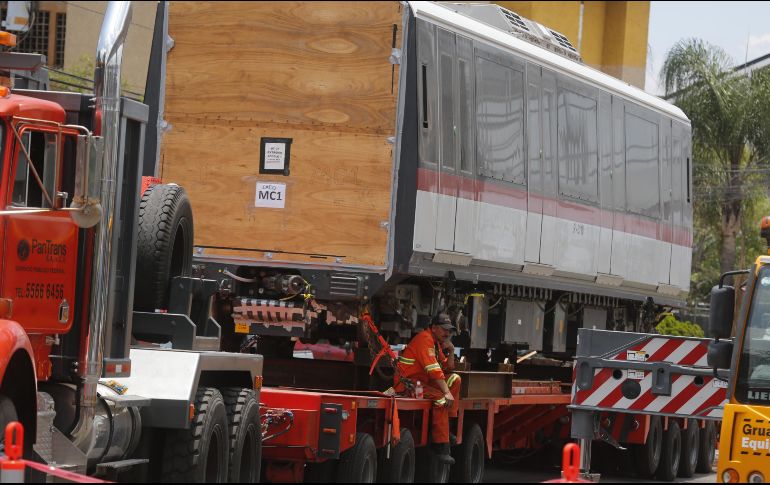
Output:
(414, 157)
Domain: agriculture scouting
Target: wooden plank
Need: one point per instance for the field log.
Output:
(315, 72)
(337, 195)
(315, 63)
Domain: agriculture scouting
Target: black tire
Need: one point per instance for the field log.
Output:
(202, 453)
(688, 462)
(430, 469)
(469, 457)
(647, 456)
(245, 435)
(707, 448)
(671, 452)
(8, 414)
(401, 465)
(359, 463)
(164, 244)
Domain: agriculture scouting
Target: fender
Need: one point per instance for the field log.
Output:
(12, 338)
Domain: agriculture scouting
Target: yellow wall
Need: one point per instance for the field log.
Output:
(614, 33)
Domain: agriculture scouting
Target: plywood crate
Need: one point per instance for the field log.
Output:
(315, 72)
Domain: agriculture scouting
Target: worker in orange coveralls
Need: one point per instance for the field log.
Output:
(425, 359)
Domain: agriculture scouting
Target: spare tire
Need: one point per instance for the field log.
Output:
(164, 244)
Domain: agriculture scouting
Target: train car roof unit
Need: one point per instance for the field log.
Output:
(444, 14)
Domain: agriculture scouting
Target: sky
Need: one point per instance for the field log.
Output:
(741, 29)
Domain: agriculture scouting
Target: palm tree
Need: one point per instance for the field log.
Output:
(730, 115)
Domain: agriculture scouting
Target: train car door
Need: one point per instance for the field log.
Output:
(456, 215)
(448, 173)
(541, 190)
(666, 231)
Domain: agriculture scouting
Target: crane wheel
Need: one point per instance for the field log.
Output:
(164, 244)
(202, 452)
(245, 435)
(647, 456)
(688, 462)
(707, 448)
(671, 452)
(469, 457)
(359, 463)
(400, 467)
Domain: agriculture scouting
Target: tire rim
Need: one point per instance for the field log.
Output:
(248, 461)
(407, 468)
(476, 461)
(694, 451)
(677, 452)
(367, 472)
(212, 458)
(656, 441)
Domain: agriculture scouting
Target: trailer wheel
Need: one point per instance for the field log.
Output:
(359, 463)
(430, 469)
(688, 462)
(671, 452)
(7, 415)
(164, 244)
(469, 457)
(707, 448)
(647, 456)
(245, 435)
(400, 467)
(199, 454)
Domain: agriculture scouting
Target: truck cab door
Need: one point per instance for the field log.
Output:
(40, 244)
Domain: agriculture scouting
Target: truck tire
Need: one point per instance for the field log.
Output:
(8, 414)
(670, 453)
(359, 463)
(245, 435)
(400, 467)
(688, 462)
(469, 457)
(199, 454)
(647, 456)
(164, 244)
(707, 448)
(430, 469)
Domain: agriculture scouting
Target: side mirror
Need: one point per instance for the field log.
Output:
(722, 311)
(88, 179)
(720, 354)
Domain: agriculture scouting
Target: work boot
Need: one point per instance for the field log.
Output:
(441, 452)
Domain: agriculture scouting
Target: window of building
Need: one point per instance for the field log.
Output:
(500, 112)
(642, 166)
(47, 32)
(577, 146)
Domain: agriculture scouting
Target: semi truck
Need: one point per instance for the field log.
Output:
(92, 396)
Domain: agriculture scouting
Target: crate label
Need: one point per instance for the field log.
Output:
(719, 383)
(637, 375)
(270, 194)
(636, 355)
(241, 328)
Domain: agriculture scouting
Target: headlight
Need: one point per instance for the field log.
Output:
(756, 477)
(730, 476)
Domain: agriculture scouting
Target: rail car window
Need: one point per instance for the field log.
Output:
(467, 110)
(427, 102)
(448, 130)
(642, 166)
(577, 146)
(500, 127)
(42, 152)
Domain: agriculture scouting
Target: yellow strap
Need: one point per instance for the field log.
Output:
(471, 295)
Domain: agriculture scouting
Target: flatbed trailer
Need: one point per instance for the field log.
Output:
(327, 426)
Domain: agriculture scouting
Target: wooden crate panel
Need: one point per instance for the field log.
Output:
(337, 196)
(314, 63)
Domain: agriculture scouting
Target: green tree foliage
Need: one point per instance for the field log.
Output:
(79, 77)
(671, 326)
(729, 112)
